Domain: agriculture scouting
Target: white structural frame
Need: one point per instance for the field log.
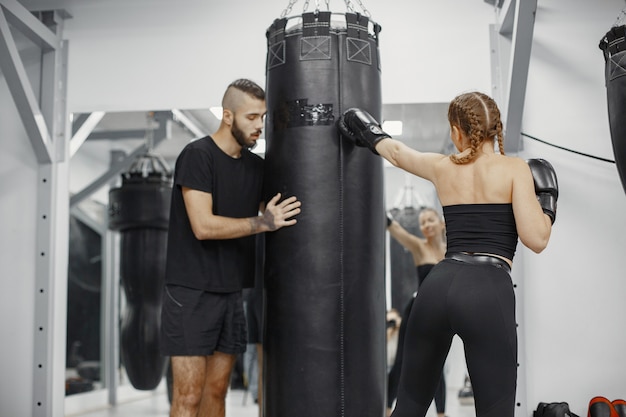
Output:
(511, 42)
(45, 121)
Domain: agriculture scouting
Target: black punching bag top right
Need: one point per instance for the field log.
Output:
(614, 47)
(324, 324)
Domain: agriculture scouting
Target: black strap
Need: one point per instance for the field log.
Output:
(479, 260)
(357, 25)
(613, 41)
(316, 24)
(276, 32)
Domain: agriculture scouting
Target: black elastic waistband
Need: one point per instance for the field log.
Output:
(479, 260)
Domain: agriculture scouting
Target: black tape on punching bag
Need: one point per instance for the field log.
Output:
(139, 209)
(614, 48)
(325, 302)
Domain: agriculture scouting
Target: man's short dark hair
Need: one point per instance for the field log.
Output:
(248, 87)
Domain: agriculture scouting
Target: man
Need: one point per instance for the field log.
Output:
(216, 200)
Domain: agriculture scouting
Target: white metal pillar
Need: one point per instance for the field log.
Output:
(511, 41)
(44, 117)
(111, 314)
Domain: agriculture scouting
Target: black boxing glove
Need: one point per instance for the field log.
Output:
(546, 185)
(359, 126)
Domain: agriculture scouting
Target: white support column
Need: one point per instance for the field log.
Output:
(500, 51)
(110, 313)
(52, 236)
(511, 42)
(45, 122)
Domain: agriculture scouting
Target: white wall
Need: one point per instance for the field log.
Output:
(159, 54)
(574, 305)
(18, 200)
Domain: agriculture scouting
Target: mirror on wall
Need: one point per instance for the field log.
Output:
(104, 145)
(104, 148)
(84, 296)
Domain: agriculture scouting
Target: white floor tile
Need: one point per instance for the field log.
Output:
(240, 405)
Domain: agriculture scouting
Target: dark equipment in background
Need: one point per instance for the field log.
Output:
(139, 209)
(401, 264)
(83, 307)
(613, 45)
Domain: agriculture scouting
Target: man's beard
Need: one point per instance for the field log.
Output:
(241, 137)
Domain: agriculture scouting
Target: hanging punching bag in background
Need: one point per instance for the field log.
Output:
(614, 47)
(139, 210)
(325, 297)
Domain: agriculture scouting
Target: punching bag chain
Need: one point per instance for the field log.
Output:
(288, 8)
(620, 18)
(317, 7)
(350, 7)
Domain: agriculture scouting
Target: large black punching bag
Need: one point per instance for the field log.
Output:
(139, 210)
(614, 47)
(325, 297)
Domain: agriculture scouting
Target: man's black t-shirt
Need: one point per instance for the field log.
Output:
(236, 187)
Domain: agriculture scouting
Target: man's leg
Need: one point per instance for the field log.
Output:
(217, 370)
(189, 378)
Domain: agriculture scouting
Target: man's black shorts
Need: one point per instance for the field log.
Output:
(198, 323)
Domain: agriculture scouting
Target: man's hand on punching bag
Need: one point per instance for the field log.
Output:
(359, 126)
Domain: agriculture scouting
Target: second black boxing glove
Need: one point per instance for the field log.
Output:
(546, 185)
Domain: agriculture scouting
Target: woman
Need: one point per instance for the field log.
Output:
(426, 252)
(489, 201)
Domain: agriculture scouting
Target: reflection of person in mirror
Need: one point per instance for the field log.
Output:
(215, 206)
(426, 252)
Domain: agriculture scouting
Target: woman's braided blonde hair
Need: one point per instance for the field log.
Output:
(478, 117)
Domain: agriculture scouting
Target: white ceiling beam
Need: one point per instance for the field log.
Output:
(84, 131)
(29, 25)
(189, 122)
(25, 100)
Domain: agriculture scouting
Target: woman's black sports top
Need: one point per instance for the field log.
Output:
(482, 228)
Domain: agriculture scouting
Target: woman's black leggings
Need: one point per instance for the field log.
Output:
(477, 303)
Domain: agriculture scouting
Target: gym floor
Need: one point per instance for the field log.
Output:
(239, 404)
